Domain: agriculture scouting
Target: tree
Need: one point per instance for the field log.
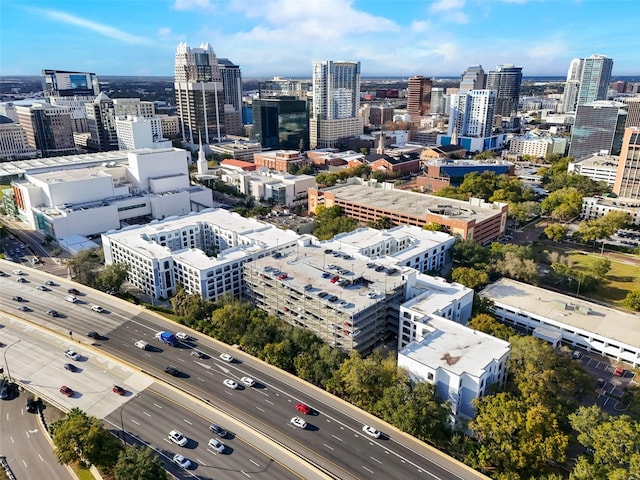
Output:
(138, 463)
(470, 277)
(556, 232)
(468, 253)
(601, 267)
(632, 300)
(563, 204)
(111, 277)
(524, 211)
(84, 266)
(434, 227)
(518, 268)
(484, 322)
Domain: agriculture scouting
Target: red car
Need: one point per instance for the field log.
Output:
(302, 408)
(118, 390)
(66, 391)
(618, 372)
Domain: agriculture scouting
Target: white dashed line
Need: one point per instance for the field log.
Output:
(367, 469)
(375, 460)
(255, 463)
(329, 447)
(337, 438)
(261, 409)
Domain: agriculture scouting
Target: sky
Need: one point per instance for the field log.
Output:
(284, 37)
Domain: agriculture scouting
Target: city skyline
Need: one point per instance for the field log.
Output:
(285, 37)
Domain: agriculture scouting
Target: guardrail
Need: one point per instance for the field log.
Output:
(7, 468)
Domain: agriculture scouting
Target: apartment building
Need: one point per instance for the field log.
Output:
(281, 160)
(599, 167)
(596, 207)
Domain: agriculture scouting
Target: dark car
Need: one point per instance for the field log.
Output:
(17, 298)
(171, 370)
(52, 313)
(24, 308)
(118, 390)
(71, 367)
(94, 335)
(198, 354)
(218, 430)
(50, 283)
(66, 391)
(32, 405)
(42, 288)
(21, 280)
(73, 291)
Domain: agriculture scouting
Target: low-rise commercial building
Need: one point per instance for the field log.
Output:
(281, 160)
(599, 167)
(596, 207)
(586, 325)
(239, 150)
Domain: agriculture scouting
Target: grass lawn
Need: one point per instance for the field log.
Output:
(621, 279)
(82, 473)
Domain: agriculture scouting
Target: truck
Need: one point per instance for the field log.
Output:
(167, 338)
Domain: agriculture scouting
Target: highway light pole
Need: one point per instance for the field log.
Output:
(5, 359)
(124, 434)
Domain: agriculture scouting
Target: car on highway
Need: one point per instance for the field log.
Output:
(248, 381)
(71, 298)
(50, 283)
(142, 345)
(118, 390)
(230, 383)
(226, 357)
(24, 308)
(218, 430)
(71, 367)
(183, 462)
(298, 422)
(97, 308)
(178, 438)
(94, 335)
(2, 274)
(197, 353)
(21, 280)
(17, 298)
(372, 432)
(302, 408)
(42, 288)
(171, 370)
(52, 313)
(183, 336)
(216, 445)
(73, 355)
(18, 272)
(73, 291)
(66, 391)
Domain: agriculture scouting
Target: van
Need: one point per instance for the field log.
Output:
(142, 344)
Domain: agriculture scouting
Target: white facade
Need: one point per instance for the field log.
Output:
(202, 251)
(238, 150)
(589, 326)
(461, 362)
(14, 143)
(133, 107)
(597, 167)
(537, 145)
(472, 113)
(135, 132)
(596, 207)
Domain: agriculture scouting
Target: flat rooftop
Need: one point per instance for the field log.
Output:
(415, 204)
(456, 348)
(20, 167)
(436, 294)
(73, 175)
(609, 323)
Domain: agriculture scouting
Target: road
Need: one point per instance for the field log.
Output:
(334, 438)
(25, 445)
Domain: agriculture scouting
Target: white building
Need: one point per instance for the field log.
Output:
(537, 145)
(14, 143)
(135, 132)
(600, 167)
(86, 201)
(239, 150)
(596, 207)
(133, 107)
(461, 362)
(203, 251)
(589, 326)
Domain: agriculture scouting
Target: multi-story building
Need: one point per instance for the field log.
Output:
(439, 101)
(204, 252)
(627, 184)
(596, 207)
(170, 125)
(577, 323)
(471, 114)
(419, 97)
(336, 102)
(232, 88)
(71, 90)
(281, 122)
(594, 79)
(101, 119)
(572, 85)
(599, 126)
(14, 144)
(598, 167)
(238, 149)
(48, 128)
(505, 81)
(133, 107)
(537, 144)
(473, 78)
(281, 160)
(284, 87)
(140, 132)
(476, 219)
(633, 110)
(452, 172)
(199, 93)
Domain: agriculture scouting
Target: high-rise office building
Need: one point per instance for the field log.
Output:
(336, 102)
(599, 126)
(48, 128)
(506, 81)
(232, 88)
(71, 90)
(101, 119)
(419, 97)
(473, 78)
(438, 100)
(594, 79)
(278, 87)
(199, 93)
(133, 107)
(472, 114)
(572, 85)
(633, 110)
(281, 123)
(627, 184)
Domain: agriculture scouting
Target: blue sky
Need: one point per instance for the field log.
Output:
(284, 37)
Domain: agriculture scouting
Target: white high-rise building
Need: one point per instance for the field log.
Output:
(472, 79)
(572, 85)
(594, 79)
(140, 132)
(336, 101)
(472, 113)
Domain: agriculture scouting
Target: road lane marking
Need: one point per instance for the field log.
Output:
(337, 438)
(375, 460)
(25, 464)
(11, 439)
(147, 414)
(255, 463)
(367, 469)
(261, 409)
(201, 379)
(187, 421)
(329, 447)
(133, 421)
(245, 473)
(27, 434)
(156, 405)
(269, 402)
(41, 459)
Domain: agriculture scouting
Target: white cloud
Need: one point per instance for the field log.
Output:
(164, 32)
(446, 5)
(420, 26)
(100, 28)
(191, 4)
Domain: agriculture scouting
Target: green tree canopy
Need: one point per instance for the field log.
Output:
(632, 300)
(111, 277)
(556, 232)
(563, 204)
(484, 322)
(470, 277)
(138, 463)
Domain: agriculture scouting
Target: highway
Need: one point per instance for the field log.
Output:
(334, 438)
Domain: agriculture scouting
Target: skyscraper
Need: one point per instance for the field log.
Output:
(572, 85)
(199, 93)
(336, 101)
(281, 123)
(506, 81)
(598, 126)
(101, 119)
(48, 128)
(473, 78)
(72, 90)
(595, 78)
(419, 97)
(232, 87)
(627, 184)
(472, 114)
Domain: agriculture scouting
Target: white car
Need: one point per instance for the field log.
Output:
(18, 272)
(97, 308)
(216, 445)
(72, 355)
(180, 460)
(226, 357)
(182, 336)
(142, 344)
(248, 381)
(230, 383)
(71, 298)
(371, 431)
(298, 422)
(176, 437)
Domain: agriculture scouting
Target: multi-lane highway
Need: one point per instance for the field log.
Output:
(333, 440)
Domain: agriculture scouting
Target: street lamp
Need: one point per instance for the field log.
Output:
(124, 435)
(5, 359)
